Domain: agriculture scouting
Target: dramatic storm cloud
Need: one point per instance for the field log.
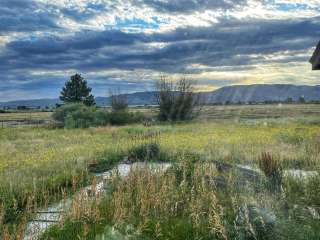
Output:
(128, 44)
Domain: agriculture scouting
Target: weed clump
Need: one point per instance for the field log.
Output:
(144, 152)
(272, 169)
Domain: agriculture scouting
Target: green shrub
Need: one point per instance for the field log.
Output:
(101, 118)
(136, 117)
(87, 117)
(304, 192)
(77, 115)
(60, 114)
(144, 152)
(124, 117)
(106, 161)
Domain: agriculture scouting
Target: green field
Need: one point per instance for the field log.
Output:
(261, 111)
(18, 115)
(208, 112)
(39, 166)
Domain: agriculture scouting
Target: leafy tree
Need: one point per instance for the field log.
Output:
(76, 90)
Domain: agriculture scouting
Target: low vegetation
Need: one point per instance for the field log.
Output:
(177, 100)
(78, 115)
(192, 200)
(272, 170)
(187, 202)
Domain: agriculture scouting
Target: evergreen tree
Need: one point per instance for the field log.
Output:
(76, 90)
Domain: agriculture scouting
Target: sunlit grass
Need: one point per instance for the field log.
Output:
(41, 162)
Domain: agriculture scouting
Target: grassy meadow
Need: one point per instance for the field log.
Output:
(41, 165)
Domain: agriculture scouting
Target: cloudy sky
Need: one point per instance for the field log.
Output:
(128, 44)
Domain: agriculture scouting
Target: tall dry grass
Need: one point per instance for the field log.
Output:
(152, 202)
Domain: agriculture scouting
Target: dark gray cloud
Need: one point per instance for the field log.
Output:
(185, 6)
(25, 16)
(85, 40)
(230, 44)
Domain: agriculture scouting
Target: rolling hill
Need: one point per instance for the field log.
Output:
(234, 94)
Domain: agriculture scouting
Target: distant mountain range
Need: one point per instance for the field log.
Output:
(263, 92)
(233, 94)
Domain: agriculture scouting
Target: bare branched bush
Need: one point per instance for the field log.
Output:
(177, 100)
(119, 102)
